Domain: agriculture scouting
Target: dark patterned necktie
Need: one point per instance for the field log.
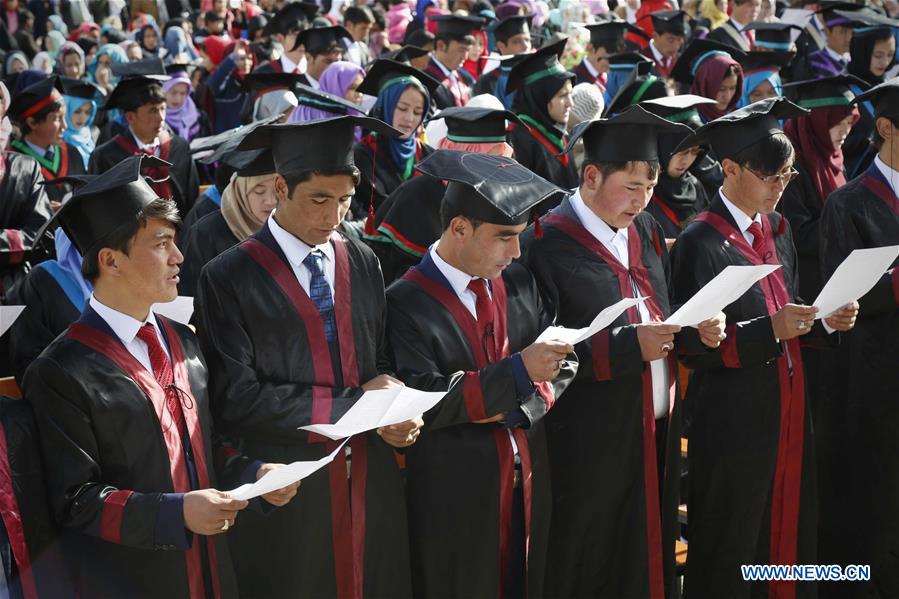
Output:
(320, 293)
(162, 372)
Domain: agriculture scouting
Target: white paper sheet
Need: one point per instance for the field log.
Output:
(602, 320)
(796, 16)
(180, 309)
(378, 408)
(8, 315)
(281, 477)
(855, 277)
(724, 289)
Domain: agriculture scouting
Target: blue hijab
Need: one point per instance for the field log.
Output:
(116, 54)
(401, 150)
(66, 270)
(80, 138)
(752, 79)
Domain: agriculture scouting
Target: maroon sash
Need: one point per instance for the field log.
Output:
(162, 185)
(474, 400)
(12, 521)
(113, 508)
(785, 499)
(640, 276)
(347, 526)
(881, 190)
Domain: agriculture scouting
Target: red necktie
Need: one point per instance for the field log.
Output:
(484, 309)
(750, 35)
(162, 371)
(758, 239)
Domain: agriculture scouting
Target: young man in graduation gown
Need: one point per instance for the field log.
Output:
(857, 430)
(464, 321)
(605, 38)
(122, 410)
(323, 46)
(752, 494)
(295, 339)
(284, 28)
(733, 32)
(40, 112)
(513, 41)
(142, 101)
(452, 42)
(614, 440)
(669, 33)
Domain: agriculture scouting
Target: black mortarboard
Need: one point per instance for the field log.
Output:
(179, 67)
(246, 163)
(678, 109)
(631, 135)
(137, 68)
(457, 26)
(669, 21)
(405, 54)
(734, 132)
(210, 148)
(317, 98)
(866, 17)
(697, 52)
(832, 18)
(385, 71)
(825, 92)
(773, 36)
(772, 60)
(318, 40)
(610, 34)
(487, 188)
(292, 16)
(640, 85)
(79, 88)
(127, 93)
(35, 98)
(469, 124)
(107, 202)
(503, 29)
(885, 97)
(542, 63)
(313, 145)
(262, 83)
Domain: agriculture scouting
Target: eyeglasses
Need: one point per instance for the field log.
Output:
(782, 178)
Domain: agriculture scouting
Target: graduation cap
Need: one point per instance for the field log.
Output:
(640, 85)
(884, 96)
(627, 60)
(503, 29)
(865, 17)
(669, 21)
(773, 36)
(318, 40)
(384, 72)
(825, 92)
(468, 124)
(631, 135)
(201, 147)
(773, 60)
(491, 189)
(179, 67)
(538, 65)
(313, 145)
(734, 132)
(79, 88)
(317, 98)
(35, 98)
(138, 68)
(262, 83)
(457, 26)
(678, 109)
(292, 17)
(128, 93)
(610, 34)
(696, 53)
(406, 54)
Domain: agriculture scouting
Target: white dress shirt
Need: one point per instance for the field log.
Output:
(150, 148)
(125, 328)
(290, 66)
(741, 218)
(458, 280)
(841, 58)
(659, 57)
(739, 27)
(616, 242)
(889, 174)
(296, 251)
(37, 149)
(591, 69)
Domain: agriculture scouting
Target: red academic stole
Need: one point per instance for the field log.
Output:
(456, 85)
(160, 183)
(560, 155)
(600, 341)
(788, 472)
(347, 525)
(875, 185)
(667, 210)
(12, 521)
(114, 505)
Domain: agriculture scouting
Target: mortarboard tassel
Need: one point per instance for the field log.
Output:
(370, 230)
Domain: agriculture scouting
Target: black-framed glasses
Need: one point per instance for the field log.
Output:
(782, 178)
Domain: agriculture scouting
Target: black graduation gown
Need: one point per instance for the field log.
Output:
(203, 206)
(206, 239)
(270, 373)
(729, 35)
(456, 469)
(24, 209)
(607, 457)
(379, 171)
(407, 223)
(486, 83)
(26, 526)
(734, 403)
(108, 460)
(674, 216)
(443, 97)
(858, 153)
(582, 75)
(183, 186)
(858, 430)
(52, 302)
(69, 163)
(541, 157)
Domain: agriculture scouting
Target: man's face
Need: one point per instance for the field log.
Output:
(359, 31)
(49, 132)
(519, 43)
(316, 208)
(747, 12)
(620, 197)
(756, 195)
(453, 54)
(320, 62)
(147, 121)
(668, 44)
(839, 38)
(596, 55)
(215, 27)
(487, 250)
(150, 268)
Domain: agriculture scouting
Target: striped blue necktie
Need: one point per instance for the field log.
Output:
(320, 293)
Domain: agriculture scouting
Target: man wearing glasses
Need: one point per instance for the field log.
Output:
(752, 474)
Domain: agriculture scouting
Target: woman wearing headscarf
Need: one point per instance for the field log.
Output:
(404, 98)
(70, 61)
(224, 84)
(53, 42)
(14, 63)
(177, 44)
(57, 24)
(717, 76)
(543, 102)
(81, 109)
(100, 69)
(760, 84)
(181, 112)
(340, 79)
(873, 52)
(149, 39)
(42, 62)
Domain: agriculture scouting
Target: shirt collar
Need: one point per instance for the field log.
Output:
(288, 65)
(125, 327)
(445, 70)
(595, 225)
(843, 58)
(295, 249)
(739, 27)
(458, 280)
(39, 150)
(313, 83)
(141, 145)
(655, 52)
(888, 173)
(743, 221)
(590, 68)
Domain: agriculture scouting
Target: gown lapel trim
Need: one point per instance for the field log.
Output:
(873, 181)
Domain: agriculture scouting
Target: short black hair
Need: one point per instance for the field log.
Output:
(446, 38)
(123, 236)
(768, 156)
(303, 176)
(607, 169)
(358, 14)
(876, 140)
(213, 16)
(611, 46)
(40, 116)
(447, 214)
(419, 37)
(149, 94)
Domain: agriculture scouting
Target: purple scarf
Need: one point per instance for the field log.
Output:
(335, 80)
(184, 120)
